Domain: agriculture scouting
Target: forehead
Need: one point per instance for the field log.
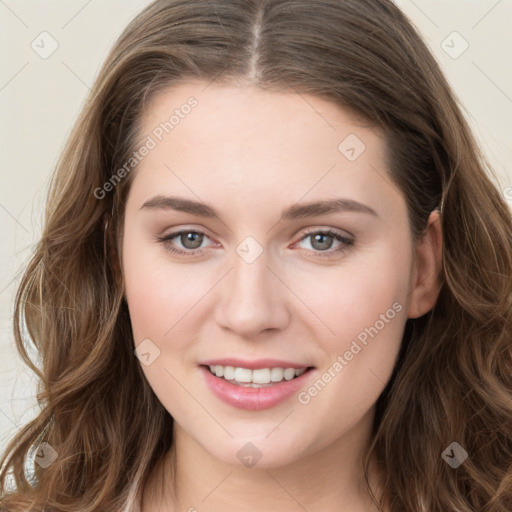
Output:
(253, 117)
(244, 143)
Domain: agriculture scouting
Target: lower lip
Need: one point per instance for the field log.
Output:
(253, 399)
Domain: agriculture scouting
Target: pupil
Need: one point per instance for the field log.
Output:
(323, 245)
(194, 238)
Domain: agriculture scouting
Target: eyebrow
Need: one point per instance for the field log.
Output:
(296, 211)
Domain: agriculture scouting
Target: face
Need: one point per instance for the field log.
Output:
(262, 231)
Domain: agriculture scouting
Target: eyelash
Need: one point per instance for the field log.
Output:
(347, 243)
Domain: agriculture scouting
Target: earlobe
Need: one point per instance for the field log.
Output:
(428, 267)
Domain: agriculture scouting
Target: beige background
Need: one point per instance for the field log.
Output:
(41, 97)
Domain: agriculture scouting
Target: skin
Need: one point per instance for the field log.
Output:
(250, 154)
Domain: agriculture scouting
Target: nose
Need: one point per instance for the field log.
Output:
(252, 299)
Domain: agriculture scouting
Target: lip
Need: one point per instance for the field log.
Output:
(255, 364)
(254, 399)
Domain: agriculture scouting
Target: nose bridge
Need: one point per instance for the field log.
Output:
(252, 299)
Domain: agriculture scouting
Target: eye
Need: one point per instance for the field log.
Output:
(190, 240)
(322, 241)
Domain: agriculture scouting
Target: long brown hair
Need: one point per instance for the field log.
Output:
(453, 377)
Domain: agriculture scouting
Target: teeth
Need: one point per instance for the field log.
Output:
(243, 375)
(276, 374)
(289, 373)
(259, 376)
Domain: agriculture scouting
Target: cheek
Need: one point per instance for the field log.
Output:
(366, 310)
(146, 293)
(363, 309)
(353, 296)
(158, 292)
(161, 300)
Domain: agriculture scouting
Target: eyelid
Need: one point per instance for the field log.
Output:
(327, 230)
(348, 241)
(166, 240)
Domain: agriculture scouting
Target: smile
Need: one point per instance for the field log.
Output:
(263, 377)
(254, 389)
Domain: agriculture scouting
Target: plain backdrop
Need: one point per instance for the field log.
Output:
(41, 95)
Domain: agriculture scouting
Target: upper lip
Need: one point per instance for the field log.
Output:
(254, 364)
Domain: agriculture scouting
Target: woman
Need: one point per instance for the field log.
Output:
(274, 274)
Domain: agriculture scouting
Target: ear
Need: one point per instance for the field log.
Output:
(427, 268)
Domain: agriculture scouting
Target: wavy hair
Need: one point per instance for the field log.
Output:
(453, 377)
